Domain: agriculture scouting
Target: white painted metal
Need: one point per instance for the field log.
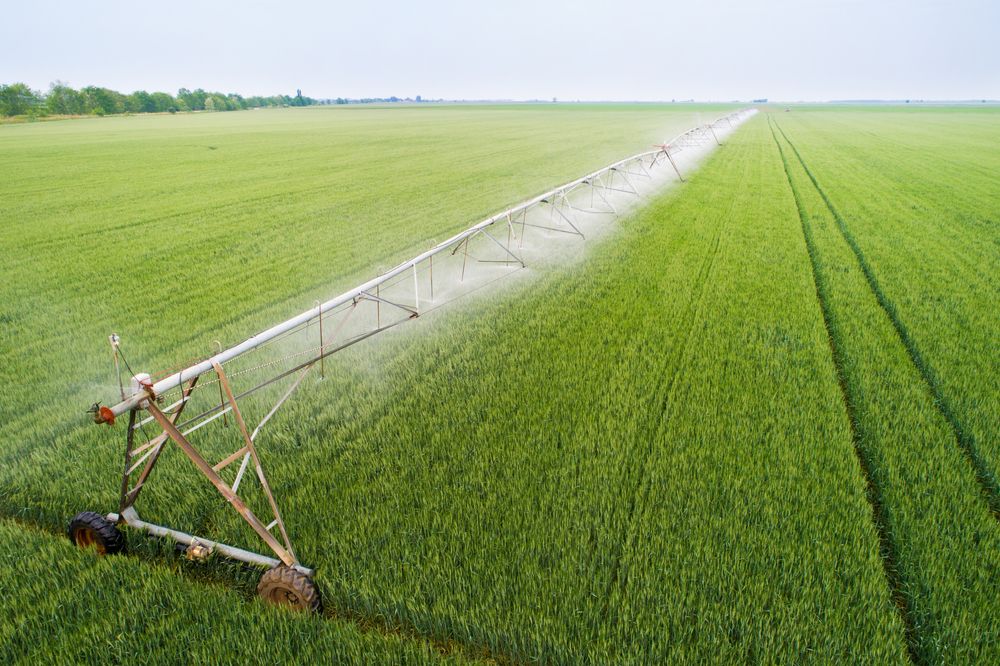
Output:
(239, 474)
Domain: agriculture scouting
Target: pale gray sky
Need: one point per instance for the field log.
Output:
(519, 49)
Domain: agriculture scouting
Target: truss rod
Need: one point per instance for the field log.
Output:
(291, 371)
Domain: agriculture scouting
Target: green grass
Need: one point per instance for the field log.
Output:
(706, 441)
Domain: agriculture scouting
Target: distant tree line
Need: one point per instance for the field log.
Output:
(379, 100)
(374, 100)
(18, 99)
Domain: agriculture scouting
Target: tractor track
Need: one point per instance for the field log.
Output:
(331, 613)
(965, 441)
(663, 391)
(889, 551)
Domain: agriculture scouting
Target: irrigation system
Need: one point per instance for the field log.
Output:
(485, 252)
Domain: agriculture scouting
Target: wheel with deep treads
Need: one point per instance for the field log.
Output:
(92, 530)
(288, 587)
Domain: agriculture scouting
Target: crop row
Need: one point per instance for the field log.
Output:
(917, 195)
(940, 541)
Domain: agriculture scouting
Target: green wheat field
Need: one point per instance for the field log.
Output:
(757, 422)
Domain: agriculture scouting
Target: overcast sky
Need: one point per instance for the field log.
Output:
(514, 49)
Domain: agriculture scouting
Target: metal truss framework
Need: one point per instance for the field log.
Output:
(388, 300)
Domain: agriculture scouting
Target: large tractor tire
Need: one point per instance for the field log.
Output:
(92, 530)
(285, 586)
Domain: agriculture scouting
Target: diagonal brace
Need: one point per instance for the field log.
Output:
(173, 433)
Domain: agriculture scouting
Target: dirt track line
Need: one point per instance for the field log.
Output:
(668, 378)
(873, 493)
(966, 442)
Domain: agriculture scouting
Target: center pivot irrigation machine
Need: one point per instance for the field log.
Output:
(154, 405)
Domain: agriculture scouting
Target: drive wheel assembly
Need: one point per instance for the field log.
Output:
(89, 529)
(285, 586)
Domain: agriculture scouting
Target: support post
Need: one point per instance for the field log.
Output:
(674, 165)
(113, 339)
(129, 438)
(322, 345)
(416, 290)
(465, 260)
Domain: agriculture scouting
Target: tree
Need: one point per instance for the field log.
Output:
(140, 102)
(163, 102)
(195, 101)
(101, 101)
(17, 99)
(63, 100)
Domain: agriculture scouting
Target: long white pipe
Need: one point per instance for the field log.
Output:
(178, 378)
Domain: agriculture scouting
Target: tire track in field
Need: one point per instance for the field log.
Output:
(888, 549)
(663, 390)
(951, 166)
(966, 442)
(364, 623)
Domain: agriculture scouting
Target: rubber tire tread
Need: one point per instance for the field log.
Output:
(287, 578)
(110, 536)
